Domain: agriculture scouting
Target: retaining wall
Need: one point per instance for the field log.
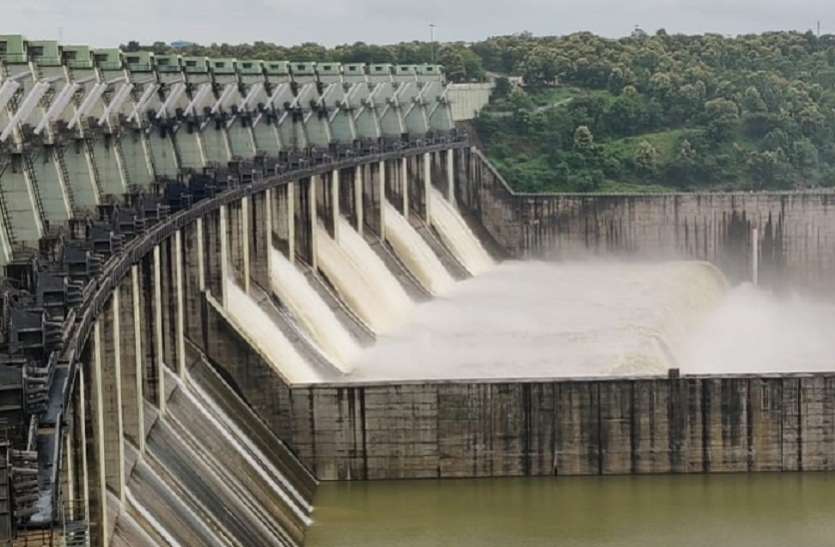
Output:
(796, 230)
(695, 424)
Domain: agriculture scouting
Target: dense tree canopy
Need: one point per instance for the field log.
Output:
(682, 112)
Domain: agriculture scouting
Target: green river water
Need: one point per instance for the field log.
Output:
(766, 510)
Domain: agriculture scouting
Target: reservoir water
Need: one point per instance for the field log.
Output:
(770, 510)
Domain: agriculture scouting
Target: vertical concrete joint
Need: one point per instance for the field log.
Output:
(358, 192)
(314, 225)
(450, 175)
(404, 185)
(158, 341)
(335, 203)
(138, 355)
(268, 220)
(427, 186)
(291, 221)
(201, 256)
(180, 319)
(381, 187)
(224, 254)
(246, 233)
(98, 438)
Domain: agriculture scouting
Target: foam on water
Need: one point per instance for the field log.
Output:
(754, 331)
(456, 234)
(362, 279)
(545, 320)
(307, 305)
(266, 337)
(415, 253)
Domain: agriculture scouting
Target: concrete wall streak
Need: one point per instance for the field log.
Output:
(158, 332)
(468, 99)
(584, 427)
(131, 351)
(111, 383)
(98, 478)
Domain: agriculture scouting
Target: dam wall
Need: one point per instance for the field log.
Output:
(468, 99)
(795, 231)
(689, 424)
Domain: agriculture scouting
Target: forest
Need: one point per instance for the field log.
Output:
(647, 112)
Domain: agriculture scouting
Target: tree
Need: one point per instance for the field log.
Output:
(646, 158)
(769, 169)
(723, 118)
(503, 88)
(625, 115)
(684, 169)
(617, 81)
(804, 155)
(583, 138)
(539, 67)
(752, 101)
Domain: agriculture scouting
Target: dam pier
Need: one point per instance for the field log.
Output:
(208, 262)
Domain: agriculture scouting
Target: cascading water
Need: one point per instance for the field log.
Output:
(456, 234)
(266, 337)
(295, 291)
(362, 279)
(547, 320)
(415, 253)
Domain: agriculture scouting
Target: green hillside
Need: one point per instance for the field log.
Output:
(662, 113)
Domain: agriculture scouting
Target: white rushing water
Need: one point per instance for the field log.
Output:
(544, 320)
(456, 234)
(307, 305)
(363, 280)
(266, 337)
(415, 253)
(754, 331)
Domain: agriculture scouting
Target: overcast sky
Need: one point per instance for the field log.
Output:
(105, 23)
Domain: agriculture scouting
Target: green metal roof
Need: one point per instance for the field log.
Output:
(428, 69)
(251, 66)
(303, 69)
(13, 49)
(168, 63)
(353, 68)
(139, 61)
(196, 65)
(45, 53)
(77, 56)
(330, 69)
(223, 65)
(277, 68)
(108, 59)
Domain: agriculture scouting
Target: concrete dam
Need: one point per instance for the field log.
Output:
(228, 280)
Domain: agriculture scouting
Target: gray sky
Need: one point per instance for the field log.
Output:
(108, 22)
